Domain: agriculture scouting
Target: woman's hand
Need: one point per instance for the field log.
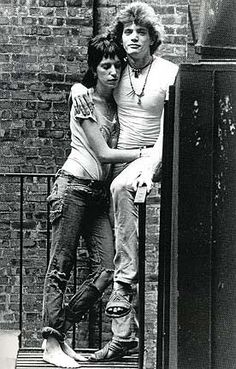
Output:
(82, 99)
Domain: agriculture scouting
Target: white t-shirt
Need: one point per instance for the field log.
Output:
(82, 158)
(140, 124)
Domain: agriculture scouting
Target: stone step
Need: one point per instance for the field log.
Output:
(31, 358)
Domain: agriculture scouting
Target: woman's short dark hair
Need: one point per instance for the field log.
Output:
(99, 47)
(143, 15)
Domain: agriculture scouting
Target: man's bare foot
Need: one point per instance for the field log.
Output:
(53, 354)
(70, 352)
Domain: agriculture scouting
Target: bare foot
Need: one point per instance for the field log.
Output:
(53, 354)
(70, 352)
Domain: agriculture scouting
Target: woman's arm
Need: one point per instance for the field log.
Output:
(104, 153)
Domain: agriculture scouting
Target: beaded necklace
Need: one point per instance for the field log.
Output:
(133, 92)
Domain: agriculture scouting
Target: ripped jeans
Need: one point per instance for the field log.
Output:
(78, 207)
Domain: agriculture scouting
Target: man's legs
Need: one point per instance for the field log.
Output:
(124, 323)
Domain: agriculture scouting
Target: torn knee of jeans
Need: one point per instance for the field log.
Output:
(56, 210)
(58, 279)
(103, 279)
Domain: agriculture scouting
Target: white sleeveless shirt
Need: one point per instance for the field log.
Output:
(140, 124)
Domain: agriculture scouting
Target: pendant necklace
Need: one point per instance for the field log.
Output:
(133, 92)
(138, 71)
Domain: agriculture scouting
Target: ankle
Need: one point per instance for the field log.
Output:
(52, 343)
(125, 287)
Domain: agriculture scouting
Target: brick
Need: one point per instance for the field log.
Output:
(9, 49)
(52, 3)
(76, 3)
(24, 58)
(28, 21)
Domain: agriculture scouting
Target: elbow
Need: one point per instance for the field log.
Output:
(103, 157)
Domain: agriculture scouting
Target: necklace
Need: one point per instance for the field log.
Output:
(133, 92)
(138, 71)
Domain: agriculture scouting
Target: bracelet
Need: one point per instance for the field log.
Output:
(140, 151)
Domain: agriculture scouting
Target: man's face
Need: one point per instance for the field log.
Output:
(136, 41)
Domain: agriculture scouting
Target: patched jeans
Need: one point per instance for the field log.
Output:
(126, 221)
(126, 240)
(78, 207)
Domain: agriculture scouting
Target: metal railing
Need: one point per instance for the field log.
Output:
(140, 200)
(24, 179)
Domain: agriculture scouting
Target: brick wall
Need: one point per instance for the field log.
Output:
(42, 52)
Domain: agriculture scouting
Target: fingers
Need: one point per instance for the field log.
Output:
(82, 99)
(90, 100)
(81, 105)
(144, 182)
(134, 185)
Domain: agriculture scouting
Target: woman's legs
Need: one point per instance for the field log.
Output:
(99, 241)
(67, 214)
(71, 217)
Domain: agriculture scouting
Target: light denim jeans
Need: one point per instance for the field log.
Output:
(77, 208)
(126, 240)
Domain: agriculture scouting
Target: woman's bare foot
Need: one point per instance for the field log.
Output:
(70, 352)
(53, 354)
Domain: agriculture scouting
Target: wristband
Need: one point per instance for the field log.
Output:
(140, 151)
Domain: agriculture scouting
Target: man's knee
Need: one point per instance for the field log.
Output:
(118, 186)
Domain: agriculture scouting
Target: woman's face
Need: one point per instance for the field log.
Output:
(108, 72)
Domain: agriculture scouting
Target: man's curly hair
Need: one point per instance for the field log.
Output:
(143, 15)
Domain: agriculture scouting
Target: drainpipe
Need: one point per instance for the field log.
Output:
(95, 17)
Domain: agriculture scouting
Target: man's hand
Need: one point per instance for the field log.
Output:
(82, 99)
(145, 178)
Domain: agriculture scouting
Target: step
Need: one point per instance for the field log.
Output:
(32, 358)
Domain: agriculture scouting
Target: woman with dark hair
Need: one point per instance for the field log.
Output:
(80, 204)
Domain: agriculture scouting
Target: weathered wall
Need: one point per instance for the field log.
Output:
(42, 52)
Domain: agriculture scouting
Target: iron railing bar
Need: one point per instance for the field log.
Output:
(74, 291)
(27, 175)
(100, 324)
(48, 219)
(194, 38)
(140, 200)
(21, 259)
